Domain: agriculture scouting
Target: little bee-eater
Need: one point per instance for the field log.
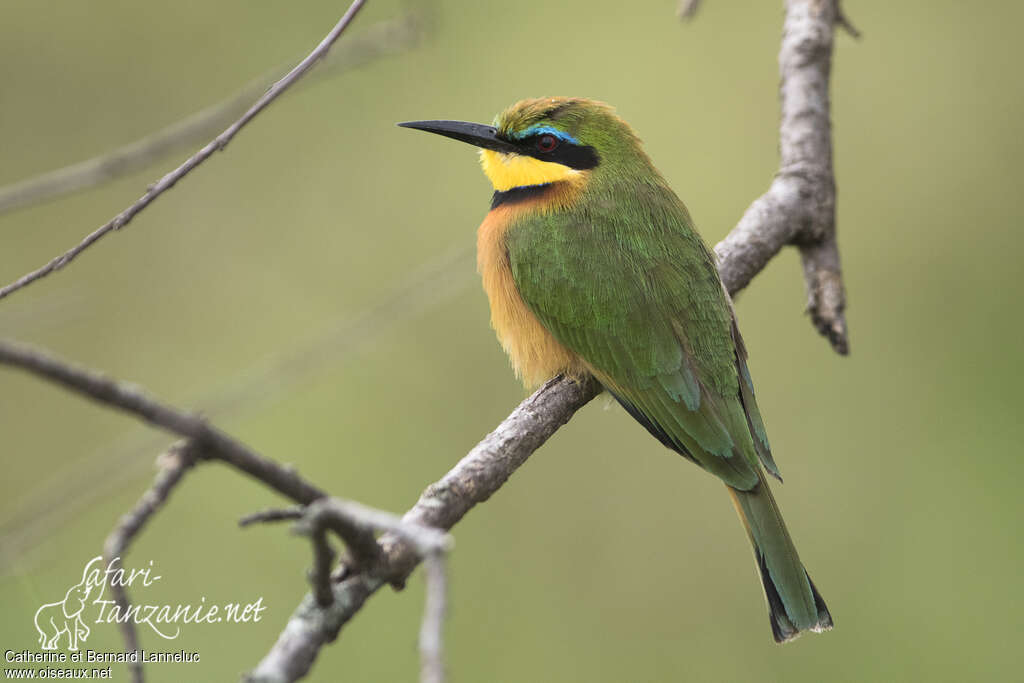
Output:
(592, 266)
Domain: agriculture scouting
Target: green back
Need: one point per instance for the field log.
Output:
(622, 278)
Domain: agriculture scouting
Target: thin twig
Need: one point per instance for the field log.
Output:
(173, 465)
(327, 514)
(215, 443)
(273, 515)
(323, 561)
(382, 39)
(432, 628)
(217, 144)
(688, 8)
(844, 22)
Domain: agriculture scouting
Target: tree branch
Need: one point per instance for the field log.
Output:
(326, 515)
(292, 514)
(425, 287)
(214, 444)
(354, 524)
(380, 40)
(173, 465)
(413, 539)
(688, 9)
(215, 145)
(799, 207)
(473, 480)
(431, 630)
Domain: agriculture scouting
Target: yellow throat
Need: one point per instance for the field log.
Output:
(515, 170)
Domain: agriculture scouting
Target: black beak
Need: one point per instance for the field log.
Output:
(473, 133)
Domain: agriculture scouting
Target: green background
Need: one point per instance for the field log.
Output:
(607, 558)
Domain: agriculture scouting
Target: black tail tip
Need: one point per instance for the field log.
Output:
(783, 629)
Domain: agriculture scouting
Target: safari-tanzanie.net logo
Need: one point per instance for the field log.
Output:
(65, 625)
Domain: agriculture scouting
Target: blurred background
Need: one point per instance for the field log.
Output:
(272, 290)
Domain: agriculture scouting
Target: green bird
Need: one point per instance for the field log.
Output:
(592, 266)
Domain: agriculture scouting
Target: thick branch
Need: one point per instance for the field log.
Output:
(800, 205)
(805, 63)
(473, 480)
(215, 145)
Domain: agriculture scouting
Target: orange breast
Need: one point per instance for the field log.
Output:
(535, 354)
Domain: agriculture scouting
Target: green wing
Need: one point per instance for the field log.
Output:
(636, 294)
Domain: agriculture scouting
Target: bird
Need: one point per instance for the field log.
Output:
(592, 266)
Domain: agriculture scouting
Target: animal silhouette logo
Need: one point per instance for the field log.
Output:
(64, 618)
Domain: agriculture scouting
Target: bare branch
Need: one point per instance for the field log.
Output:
(805, 63)
(844, 22)
(423, 538)
(424, 288)
(355, 524)
(432, 628)
(799, 206)
(273, 515)
(323, 561)
(473, 480)
(382, 39)
(217, 144)
(173, 464)
(357, 533)
(214, 443)
(688, 9)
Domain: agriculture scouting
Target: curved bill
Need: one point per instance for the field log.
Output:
(474, 133)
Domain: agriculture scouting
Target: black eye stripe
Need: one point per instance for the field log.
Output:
(579, 157)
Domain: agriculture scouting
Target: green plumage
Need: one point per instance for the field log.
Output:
(621, 278)
(612, 267)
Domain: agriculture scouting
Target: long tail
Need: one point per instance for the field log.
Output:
(794, 604)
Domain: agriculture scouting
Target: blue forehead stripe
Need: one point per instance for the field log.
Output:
(540, 130)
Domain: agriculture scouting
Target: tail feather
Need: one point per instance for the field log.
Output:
(794, 603)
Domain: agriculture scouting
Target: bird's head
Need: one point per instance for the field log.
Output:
(542, 141)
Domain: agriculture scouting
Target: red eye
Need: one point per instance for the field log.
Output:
(547, 142)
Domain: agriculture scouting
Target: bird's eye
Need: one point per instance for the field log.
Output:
(547, 143)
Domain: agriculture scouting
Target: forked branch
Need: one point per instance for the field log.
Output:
(800, 205)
